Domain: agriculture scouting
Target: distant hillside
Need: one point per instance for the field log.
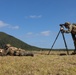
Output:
(8, 39)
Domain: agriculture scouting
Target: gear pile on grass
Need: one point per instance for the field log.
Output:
(13, 51)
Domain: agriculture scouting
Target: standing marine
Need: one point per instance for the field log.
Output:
(71, 28)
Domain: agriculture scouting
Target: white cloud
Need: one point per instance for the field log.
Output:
(45, 33)
(13, 27)
(3, 24)
(34, 16)
(29, 33)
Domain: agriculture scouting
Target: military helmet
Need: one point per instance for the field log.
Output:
(8, 45)
(67, 23)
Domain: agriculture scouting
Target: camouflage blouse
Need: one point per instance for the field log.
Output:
(71, 29)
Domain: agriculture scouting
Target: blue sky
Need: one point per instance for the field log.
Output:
(36, 22)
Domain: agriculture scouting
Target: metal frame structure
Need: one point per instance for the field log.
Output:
(60, 31)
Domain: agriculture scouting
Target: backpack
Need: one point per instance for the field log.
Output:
(74, 28)
(74, 24)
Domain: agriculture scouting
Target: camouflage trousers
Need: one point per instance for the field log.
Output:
(74, 40)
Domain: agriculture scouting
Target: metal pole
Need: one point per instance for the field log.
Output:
(54, 42)
(65, 43)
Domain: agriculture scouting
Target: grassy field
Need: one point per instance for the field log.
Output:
(40, 64)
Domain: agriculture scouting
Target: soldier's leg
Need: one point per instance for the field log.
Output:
(75, 43)
(74, 40)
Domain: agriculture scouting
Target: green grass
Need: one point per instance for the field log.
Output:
(40, 64)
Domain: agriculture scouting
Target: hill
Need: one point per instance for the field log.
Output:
(8, 39)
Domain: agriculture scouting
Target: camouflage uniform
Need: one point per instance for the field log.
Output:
(73, 33)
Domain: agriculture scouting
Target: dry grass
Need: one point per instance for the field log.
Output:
(40, 64)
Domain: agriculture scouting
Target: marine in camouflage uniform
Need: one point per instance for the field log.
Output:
(13, 51)
(71, 29)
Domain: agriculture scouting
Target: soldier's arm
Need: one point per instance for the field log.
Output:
(69, 29)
